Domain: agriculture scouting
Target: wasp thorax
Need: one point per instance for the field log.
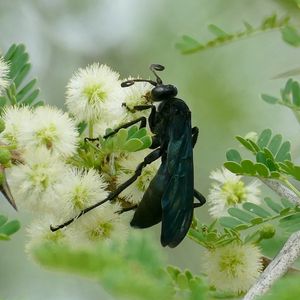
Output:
(163, 92)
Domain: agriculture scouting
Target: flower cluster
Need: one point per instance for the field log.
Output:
(65, 164)
(59, 173)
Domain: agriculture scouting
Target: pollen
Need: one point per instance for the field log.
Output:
(235, 192)
(94, 93)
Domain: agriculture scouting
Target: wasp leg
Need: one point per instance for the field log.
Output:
(195, 133)
(87, 139)
(199, 197)
(151, 157)
(143, 121)
(155, 142)
(142, 107)
(121, 211)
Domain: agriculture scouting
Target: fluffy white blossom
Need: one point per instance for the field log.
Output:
(52, 129)
(79, 190)
(94, 94)
(39, 233)
(229, 190)
(33, 183)
(234, 267)
(99, 225)
(134, 193)
(4, 70)
(16, 120)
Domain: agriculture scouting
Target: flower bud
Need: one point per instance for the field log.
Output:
(5, 156)
(267, 231)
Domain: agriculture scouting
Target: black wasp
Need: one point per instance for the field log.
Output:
(170, 196)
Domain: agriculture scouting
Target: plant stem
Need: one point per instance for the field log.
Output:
(282, 190)
(289, 252)
(277, 268)
(91, 129)
(291, 187)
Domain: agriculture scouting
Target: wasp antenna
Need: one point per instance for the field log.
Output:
(132, 81)
(157, 67)
(127, 83)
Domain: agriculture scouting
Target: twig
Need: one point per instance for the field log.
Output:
(287, 255)
(281, 190)
(277, 268)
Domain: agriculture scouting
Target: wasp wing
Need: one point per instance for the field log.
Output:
(149, 212)
(177, 200)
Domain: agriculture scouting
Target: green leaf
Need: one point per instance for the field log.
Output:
(30, 99)
(254, 146)
(229, 222)
(217, 31)
(121, 137)
(291, 35)
(296, 93)
(269, 99)
(271, 165)
(140, 133)
(233, 167)
(275, 143)
(10, 227)
(233, 155)
(264, 138)
(132, 130)
(261, 157)
(240, 214)
(283, 152)
(3, 220)
(147, 141)
(21, 94)
(256, 221)
(10, 52)
(287, 203)
(22, 74)
(133, 145)
(188, 45)
(273, 205)
(245, 143)
(255, 209)
(262, 170)
(290, 220)
(248, 167)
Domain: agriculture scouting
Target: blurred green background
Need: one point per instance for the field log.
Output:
(221, 86)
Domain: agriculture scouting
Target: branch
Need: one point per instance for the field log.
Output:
(277, 268)
(287, 255)
(281, 190)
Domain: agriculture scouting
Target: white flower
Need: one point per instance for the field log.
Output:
(134, 95)
(33, 183)
(101, 224)
(79, 190)
(134, 193)
(4, 70)
(17, 120)
(39, 232)
(234, 267)
(50, 128)
(228, 191)
(94, 93)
